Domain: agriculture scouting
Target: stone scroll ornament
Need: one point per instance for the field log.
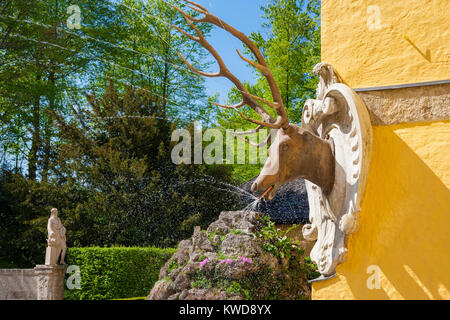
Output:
(340, 116)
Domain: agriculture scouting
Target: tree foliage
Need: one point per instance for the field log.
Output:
(45, 64)
(115, 183)
(292, 49)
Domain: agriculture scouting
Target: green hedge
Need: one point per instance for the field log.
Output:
(116, 272)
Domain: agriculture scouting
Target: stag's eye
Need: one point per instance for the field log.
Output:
(284, 147)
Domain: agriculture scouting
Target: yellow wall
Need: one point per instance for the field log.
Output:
(405, 219)
(385, 42)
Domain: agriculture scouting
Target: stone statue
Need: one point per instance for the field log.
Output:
(56, 250)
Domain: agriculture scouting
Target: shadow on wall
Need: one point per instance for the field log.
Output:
(404, 225)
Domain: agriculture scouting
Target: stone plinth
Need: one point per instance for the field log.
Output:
(52, 255)
(50, 282)
(44, 282)
(18, 284)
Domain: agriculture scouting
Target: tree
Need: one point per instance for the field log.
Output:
(141, 51)
(39, 62)
(114, 182)
(45, 65)
(119, 149)
(292, 49)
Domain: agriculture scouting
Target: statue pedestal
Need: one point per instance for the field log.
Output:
(50, 281)
(52, 255)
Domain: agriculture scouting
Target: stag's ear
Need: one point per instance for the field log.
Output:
(308, 136)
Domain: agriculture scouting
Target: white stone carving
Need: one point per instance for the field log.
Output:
(3, 290)
(49, 282)
(56, 240)
(340, 116)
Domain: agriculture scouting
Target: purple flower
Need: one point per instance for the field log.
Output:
(245, 260)
(203, 262)
(227, 261)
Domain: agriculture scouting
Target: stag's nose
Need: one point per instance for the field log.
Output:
(254, 186)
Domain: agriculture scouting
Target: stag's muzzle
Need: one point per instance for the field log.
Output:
(269, 192)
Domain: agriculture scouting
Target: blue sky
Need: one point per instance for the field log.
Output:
(244, 15)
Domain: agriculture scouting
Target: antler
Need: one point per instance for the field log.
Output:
(249, 99)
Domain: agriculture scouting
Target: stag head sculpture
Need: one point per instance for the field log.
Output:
(295, 152)
(331, 150)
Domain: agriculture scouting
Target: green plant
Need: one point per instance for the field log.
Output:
(311, 269)
(134, 298)
(116, 272)
(276, 241)
(211, 235)
(221, 256)
(200, 281)
(237, 231)
(234, 287)
(173, 264)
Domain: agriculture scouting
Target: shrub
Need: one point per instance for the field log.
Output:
(116, 272)
(277, 242)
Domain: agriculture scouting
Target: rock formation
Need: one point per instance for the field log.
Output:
(239, 256)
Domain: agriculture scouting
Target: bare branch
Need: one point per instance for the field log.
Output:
(262, 123)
